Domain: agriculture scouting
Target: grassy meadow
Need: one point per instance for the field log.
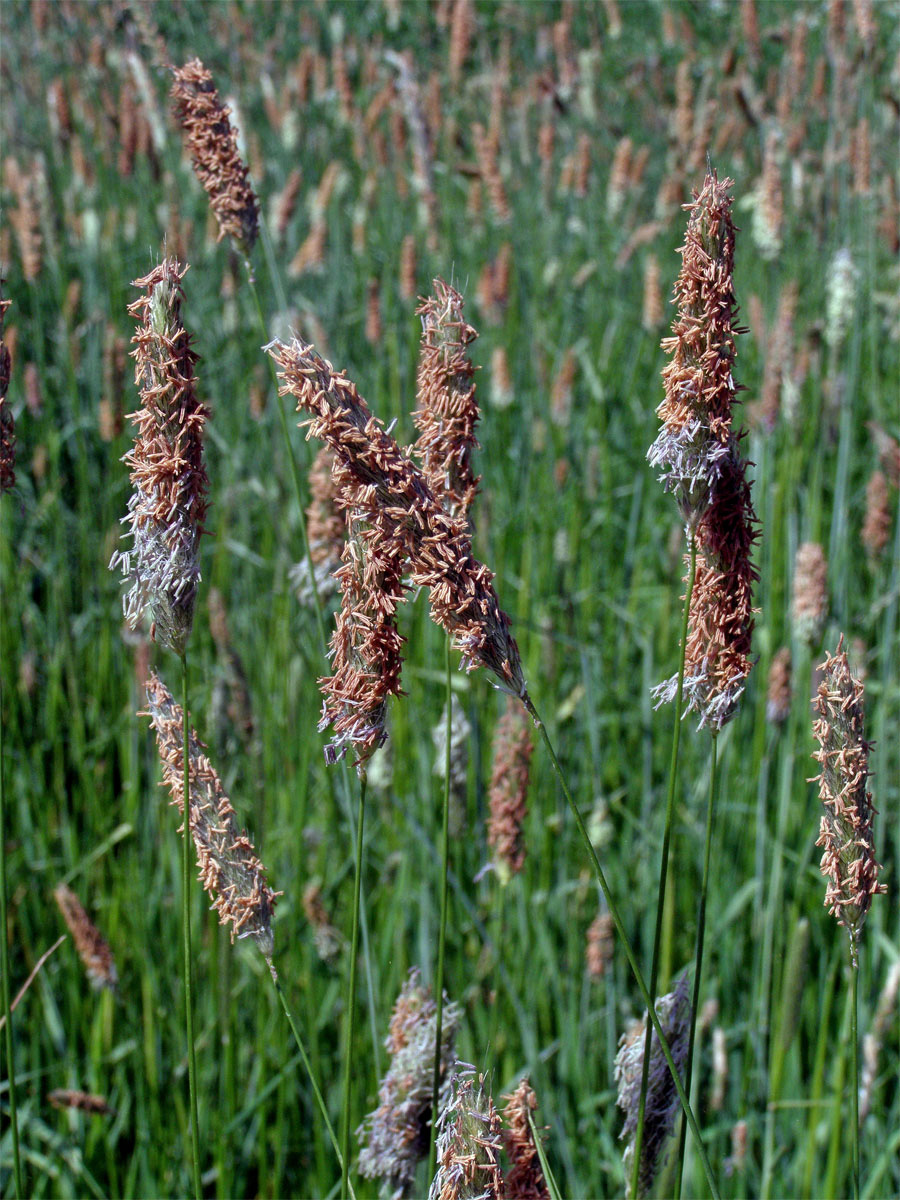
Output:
(562, 238)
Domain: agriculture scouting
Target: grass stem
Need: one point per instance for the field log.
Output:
(698, 959)
(854, 1069)
(664, 863)
(626, 946)
(186, 923)
(442, 936)
(4, 957)
(351, 991)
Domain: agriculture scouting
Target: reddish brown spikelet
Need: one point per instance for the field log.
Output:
(618, 177)
(778, 700)
(469, 1143)
(7, 423)
(463, 600)
(366, 645)
(446, 409)
(653, 313)
(373, 313)
(84, 1101)
(486, 154)
(229, 868)
(93, 948)
(877, 524)
(168, 502)
(848, 859)
(810, 594)
(286, 202)
(510, 773)
(778, 360)
(407, 274)
(212, 143)
(326, 526)
(460, 36)
(599, 948)
(524, 1180)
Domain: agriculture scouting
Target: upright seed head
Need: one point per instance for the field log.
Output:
(7, 423)
(600, 945)
(469, 1143)
(810, 593)
(93, 948)
(848, 858)
(446, 409)
(212, 143)
(840, 298)
(395, 1136)
(524, 1180)
(510, 772)
(778, 701)
(439, 554)
(877, 524)
(168, 503)
(229, 868)
(661, 1106)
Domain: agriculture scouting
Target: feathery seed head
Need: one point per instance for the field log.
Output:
(840, 298)
(395, 1136)
(447, 411)
(524, 1180)
(661, 1107)
(469, 1143)
(600, 945)
(778, 701)
(385, 483)
(229, 868)
(848, 859)
(510, 772)
(810, 592)
(212, 143)
(93, 948)
(168, 503)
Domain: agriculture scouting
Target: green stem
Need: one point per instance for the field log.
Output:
(320, 1101)
(351, 991)
(664, 864)
(698, 960)
(626, 946)
(4, 958)
(186, 922)
(854, 1074)
(442, 937)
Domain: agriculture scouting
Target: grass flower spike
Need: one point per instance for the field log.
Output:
(662, 1101)
(447, 411)
(93, 948)
(510, 772)
(395, 1135)
(469, 1144)
(229, 868)
(437, 548)
(168, 503)
(524, 1180)
(212, 143)
(848, 858)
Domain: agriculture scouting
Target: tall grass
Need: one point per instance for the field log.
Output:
(571, 520)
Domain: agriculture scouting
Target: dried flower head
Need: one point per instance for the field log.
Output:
(848, 859)
(168, 503)
(510, 773)
(840, 298)
(696, 436)
(778, 701)
(7, 424)
(877, 523)
(326, 528)
(446, 409)
(600, 945)
(524, 1180)
(661, 1107)
(83, 1101)
(93, 948)
(463, 600)
(212, 143)
(229, 868)
(469, 1143)
(395, 1136)
(810, 592)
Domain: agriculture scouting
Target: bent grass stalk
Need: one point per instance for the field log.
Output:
(664, 869)
(186, 925)
(629, 953)
(351, 990)
(698, 962)
(442, 936)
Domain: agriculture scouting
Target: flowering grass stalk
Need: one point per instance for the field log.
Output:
(442, 933)
(351, 987)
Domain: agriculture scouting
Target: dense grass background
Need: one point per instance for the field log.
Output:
(588, 562)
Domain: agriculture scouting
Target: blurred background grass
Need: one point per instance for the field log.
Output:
(586, 549)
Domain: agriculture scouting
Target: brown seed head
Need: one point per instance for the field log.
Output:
(463, 600)
(510, 773)
(469, 1144)
(810, 600)
(877, 524)
(212, 143)
(446, 409)
(84, 1101)
(229, 868)
(524, 1180)
(93, 948)
(778, 702)
(848, 859)
(600, 945)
